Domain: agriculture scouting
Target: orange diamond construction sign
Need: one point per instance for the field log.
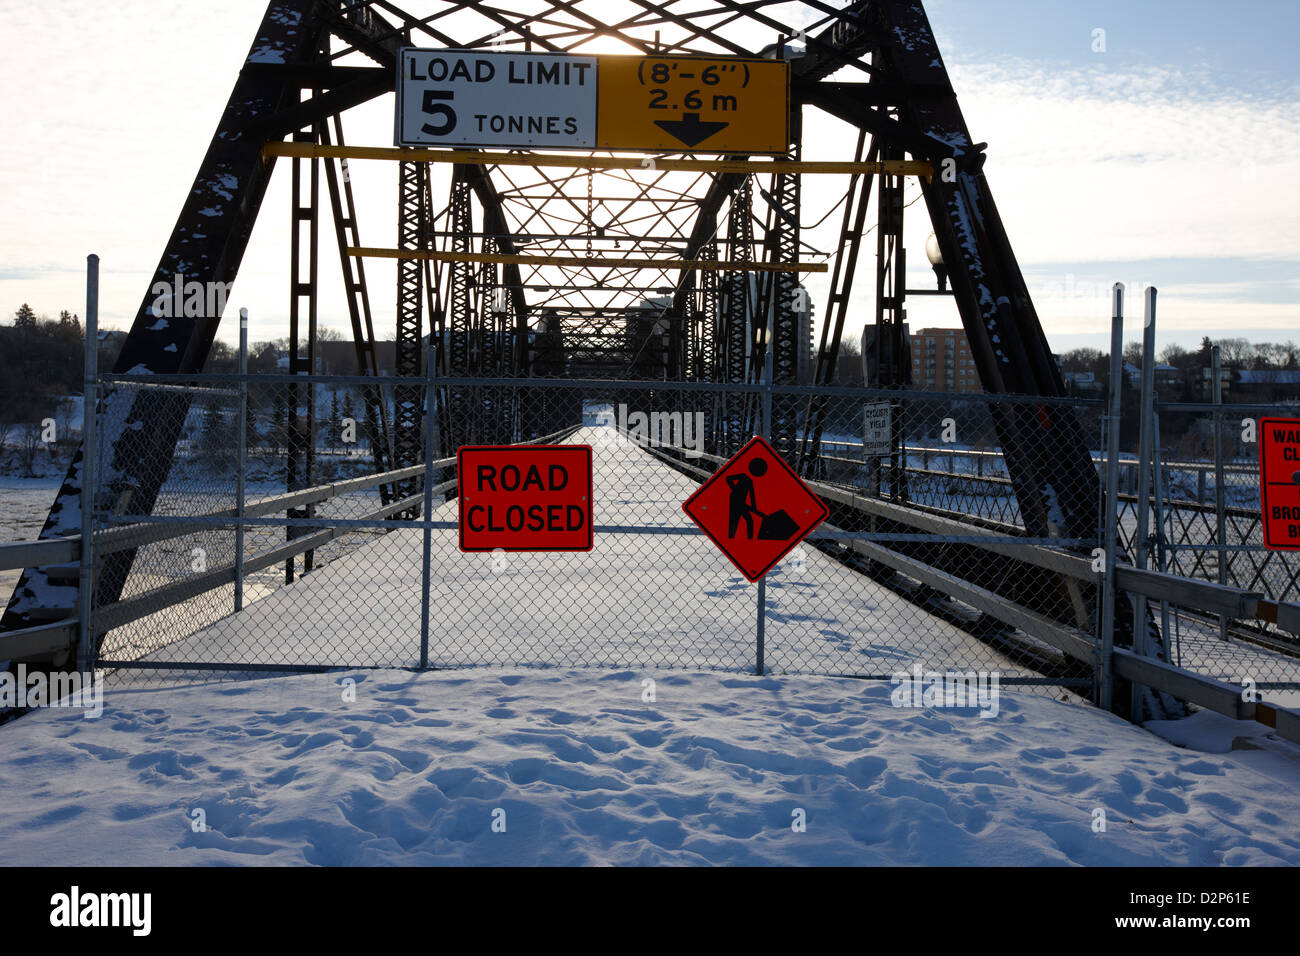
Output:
(755, 508)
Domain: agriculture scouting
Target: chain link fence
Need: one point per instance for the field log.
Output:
(1205, 523)
(933, 555)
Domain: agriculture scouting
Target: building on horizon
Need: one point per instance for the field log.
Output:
(942, 362)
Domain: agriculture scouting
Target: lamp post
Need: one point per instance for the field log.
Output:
(935, 255)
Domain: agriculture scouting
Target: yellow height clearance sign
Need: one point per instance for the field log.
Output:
(702, 104)
(464, 98)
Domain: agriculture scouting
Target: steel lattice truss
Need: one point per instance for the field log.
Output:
(871, 64)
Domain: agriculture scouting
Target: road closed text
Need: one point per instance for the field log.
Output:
(525, 497)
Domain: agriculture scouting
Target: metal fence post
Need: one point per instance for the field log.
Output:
(1162, 542)
(1145, 456)
(766, 419)
(430, 373)
(89, 392)
(1107, 636)
(241, 490)
(1220, 532)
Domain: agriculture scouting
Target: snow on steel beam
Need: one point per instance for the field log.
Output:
(205, 248)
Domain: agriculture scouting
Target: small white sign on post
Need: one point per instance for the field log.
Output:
(877, 419)
(477, 98)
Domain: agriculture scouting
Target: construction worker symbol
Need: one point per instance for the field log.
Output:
(742, 506)
(755, 508)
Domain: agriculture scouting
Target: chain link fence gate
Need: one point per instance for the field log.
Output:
(1205, 523)
(317, 560)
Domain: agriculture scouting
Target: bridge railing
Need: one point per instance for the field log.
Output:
(184, 600)
(924, 559)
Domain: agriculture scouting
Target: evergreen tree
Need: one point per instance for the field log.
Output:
(212, 436)
(25, 317)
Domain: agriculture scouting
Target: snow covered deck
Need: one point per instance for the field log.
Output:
(652, 600)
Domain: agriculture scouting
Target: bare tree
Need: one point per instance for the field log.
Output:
(1175, 355)
(1083, 360)
(1236, 352)
(29, 443)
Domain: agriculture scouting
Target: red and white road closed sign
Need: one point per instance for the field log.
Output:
(1279, 482)
(525, 497)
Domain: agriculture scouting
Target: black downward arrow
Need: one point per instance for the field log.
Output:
(689, 129)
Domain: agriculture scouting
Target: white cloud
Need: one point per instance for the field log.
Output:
(1088, 165)
(109, 109)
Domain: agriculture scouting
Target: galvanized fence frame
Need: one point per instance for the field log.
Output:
(1212, 636)
(873, 547)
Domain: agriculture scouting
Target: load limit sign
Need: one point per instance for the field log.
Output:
(463, 98)
(1279, 482)
(524, 497)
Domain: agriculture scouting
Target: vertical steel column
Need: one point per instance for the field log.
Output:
(1105, 680)
(837, 304)
(891, 281)
(740, 249)
(783, 341)
(708, 314)
(301, 423)
(485, 350)
(460, 296)
(90, 389)
(460, 419)
(241, 472)
(338, 181)
(707, 358)
(680, 339)
(412, 182)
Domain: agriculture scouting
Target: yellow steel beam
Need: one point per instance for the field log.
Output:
(893, 167)
(682, 265)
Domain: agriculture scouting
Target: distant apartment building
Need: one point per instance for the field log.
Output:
(942, 362)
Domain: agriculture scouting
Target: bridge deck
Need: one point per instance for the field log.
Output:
(635, 599)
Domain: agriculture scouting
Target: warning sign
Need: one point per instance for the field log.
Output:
(707, 104)
(877, 418)
(462, 98)
(525, 497)
(755, 509)
(1279, 482)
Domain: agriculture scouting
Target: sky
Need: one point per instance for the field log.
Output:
(1166, 154)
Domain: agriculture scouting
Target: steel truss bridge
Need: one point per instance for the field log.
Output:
(673, 268)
